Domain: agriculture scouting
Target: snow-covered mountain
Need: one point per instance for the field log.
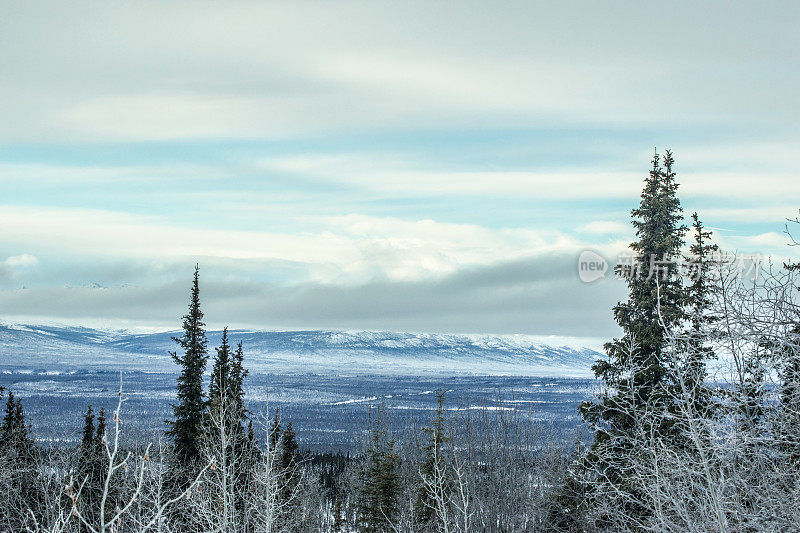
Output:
(26, 348)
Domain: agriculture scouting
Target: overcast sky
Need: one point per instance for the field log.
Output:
(423, 166)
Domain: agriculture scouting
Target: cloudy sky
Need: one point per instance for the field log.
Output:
(424, 166)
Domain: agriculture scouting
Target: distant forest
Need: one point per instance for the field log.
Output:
(671, 448)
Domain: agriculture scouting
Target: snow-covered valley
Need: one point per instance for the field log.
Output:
(325, 381)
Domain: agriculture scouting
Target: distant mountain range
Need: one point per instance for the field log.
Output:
(28, 348)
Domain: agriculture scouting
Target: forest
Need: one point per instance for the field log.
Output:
(697, 427)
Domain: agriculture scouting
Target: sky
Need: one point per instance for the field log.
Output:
(415, 166)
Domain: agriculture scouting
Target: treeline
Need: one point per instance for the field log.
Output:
(671, 448)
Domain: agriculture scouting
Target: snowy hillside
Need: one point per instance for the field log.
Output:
(59, 349)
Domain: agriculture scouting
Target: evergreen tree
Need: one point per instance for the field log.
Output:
(289, 461)
(92, 467)
(226, 393)
(14, 430)
(283, 443)
(87, 437)
(377, 506)
(236, 383)
(227, 412)
(247, 447)
(275, 431)
(18, 458)
(100, 434)
(186, 430)
(638, 362)
(698, 302)
(219, 391)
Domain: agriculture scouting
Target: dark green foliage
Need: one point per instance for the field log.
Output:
(93, 467)
(289, 462)
(190, 411)
(377, 506)
(330, 467)
(87, 437)
(218, 392)
(655, 288)
(698, 301)
(288, 467)
(18, 457)
(290, 450)
(226, 392)
(238, 373)
(638, 363)
(100, 433)
(226, 413)
(698, 292)
(275, 431)
(568, 505)
(14, 430)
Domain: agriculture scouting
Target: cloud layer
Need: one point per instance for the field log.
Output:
(415, 165)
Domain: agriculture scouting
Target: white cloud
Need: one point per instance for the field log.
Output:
(769, 240)
(777, 214)
(409, 250)
(23, 260)
(346, 249)
(390, 174)
(605, 227)
(247, 69)
(350, 76)
(540, 295)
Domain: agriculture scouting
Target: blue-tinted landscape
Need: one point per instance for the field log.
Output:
(324, 382)
(328, 412)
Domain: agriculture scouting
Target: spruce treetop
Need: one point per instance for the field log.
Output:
(190, 410)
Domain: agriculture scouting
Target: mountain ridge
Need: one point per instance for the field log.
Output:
(32, 347)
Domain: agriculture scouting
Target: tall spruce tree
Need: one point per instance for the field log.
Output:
(189, 412)
(226, 392)
(288, 463)
(275, 431)
(226, 413)
(87, 436)
(377, 504)
(18, 456)
(698, 302)
(14, 432)
(638, 362)
(100, 433)
(236, 383)
(92, 468)
(218, 391)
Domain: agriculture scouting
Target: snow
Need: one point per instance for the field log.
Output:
(62, 348)
(360, 400)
